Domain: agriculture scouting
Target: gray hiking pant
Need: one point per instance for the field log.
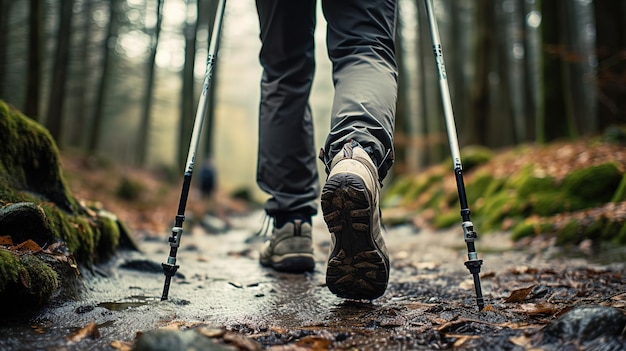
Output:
(360, 44)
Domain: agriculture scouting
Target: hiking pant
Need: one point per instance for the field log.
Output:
(360, 44)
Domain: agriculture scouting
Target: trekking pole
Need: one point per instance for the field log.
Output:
(473, 263)
(170, 268)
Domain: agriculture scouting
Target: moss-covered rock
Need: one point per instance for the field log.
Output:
(37, 206)
(595, 184)
(551, 184)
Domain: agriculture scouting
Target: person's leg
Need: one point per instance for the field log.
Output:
(360, 42)
(359, 148)
(286, 164)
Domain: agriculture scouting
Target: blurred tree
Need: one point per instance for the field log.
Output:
(211, 11)
(35, 60)
(5, 8)
(610, 21)
(144, 127)
(56, 101)
(81, 84)
(107, 48)
(188, 100)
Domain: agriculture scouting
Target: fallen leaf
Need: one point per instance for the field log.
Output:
(520, 294)
(488, 308)
(461, 338)
(211, 332)
(242, 341)
(6, 240)
(314, 343)
(27, 246)
(122, 345)
(521, 340)
(88, 331)
(536, 308)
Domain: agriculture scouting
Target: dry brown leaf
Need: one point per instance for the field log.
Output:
(122, 345)
(242, 341)
(488, 308)
(314, 343)
(521, 340)
(536, 308)
(6, 240)
(88, 331)
(211, 332)
(519, 295)
(461, 339)
(27, 246)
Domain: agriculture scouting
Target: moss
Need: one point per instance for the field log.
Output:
(530, 227)
(550, 203)
(594, 184)
(109, 238)
(26, 281)
(611, 230)
(621, 235)
(36, 204)
(496, 208)
(571, 233)
(129, 189)
(479, 186)
(29, 159)
(42, 280)
(475, 155)
(620, 193)
(9, 268)
(420, 185)
(447, 219)
(532, 184)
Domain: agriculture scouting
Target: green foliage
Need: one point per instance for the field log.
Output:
(530, 227)
(9, 268)
(594, 184)
(620, 193)
(475, 155)
(503, 200)
(446, 219)
(129, 189)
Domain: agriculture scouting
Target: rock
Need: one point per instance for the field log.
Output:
(586, 323)
(167, 340)
(38, 209)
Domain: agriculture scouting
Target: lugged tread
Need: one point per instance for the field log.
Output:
(357, 269)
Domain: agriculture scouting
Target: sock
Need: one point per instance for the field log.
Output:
(280, 219)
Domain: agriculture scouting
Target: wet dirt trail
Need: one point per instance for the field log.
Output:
(429, 305)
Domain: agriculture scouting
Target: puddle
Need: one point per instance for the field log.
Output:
(131, 302)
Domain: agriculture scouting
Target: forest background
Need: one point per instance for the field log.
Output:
(120, 79)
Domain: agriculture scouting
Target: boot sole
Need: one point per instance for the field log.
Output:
(291, 263)
(357, 268)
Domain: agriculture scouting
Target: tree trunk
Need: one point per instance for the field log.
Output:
(54, 120)
(144, 127)
(611, 34)
(35, 60)
(80, 113)
(210, 117)
(582, 65)
(532, 71)
(5, 7)
(480, 91)
(188, 92)
(556, 121)
(107, 46)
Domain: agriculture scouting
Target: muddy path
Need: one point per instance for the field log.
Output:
(226, 295)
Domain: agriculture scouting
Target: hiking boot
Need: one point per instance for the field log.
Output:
(358, 265)
(290, 249)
